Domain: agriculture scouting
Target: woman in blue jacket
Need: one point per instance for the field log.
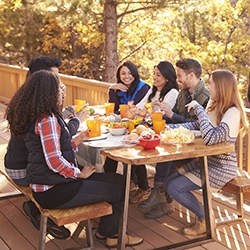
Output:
(129, 86)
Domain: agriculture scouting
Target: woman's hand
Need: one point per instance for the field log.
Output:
(165, 107)
(191, 105)
(87, 171)
(83, 114)
(83, 136)
(119, 86)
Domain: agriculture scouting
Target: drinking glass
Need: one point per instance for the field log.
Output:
(79, 104)
(94, 126)
(158, 126)
(123, 110)
(109, 108)
(157, 116)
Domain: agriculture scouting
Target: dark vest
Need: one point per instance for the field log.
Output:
(37, 171)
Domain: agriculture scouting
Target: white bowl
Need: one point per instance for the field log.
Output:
(117, 131)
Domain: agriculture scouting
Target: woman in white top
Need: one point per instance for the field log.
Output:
(165, 88)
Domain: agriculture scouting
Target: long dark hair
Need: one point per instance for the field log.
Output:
(135, 74)
(36, 97)
(167, 70)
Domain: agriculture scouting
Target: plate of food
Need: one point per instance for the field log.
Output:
(179, 135)
(132, 138)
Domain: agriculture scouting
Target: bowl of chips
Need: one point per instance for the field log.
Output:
(178, 135)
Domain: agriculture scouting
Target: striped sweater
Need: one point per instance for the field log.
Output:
(221, 168)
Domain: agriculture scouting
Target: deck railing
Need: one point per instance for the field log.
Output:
(95, 93)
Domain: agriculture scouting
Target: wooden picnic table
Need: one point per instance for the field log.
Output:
(136, 155)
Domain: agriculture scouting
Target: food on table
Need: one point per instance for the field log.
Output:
(142, 112)
(131, 104)
(118, 125)
(131, 112)
(91, 111)
(140, 128)
(132, 137)
(177, 135)
(149, 107)
(149, 141)
(147, 134)
(111, 118)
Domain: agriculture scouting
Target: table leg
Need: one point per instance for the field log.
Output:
(206, 196)
(124, 213)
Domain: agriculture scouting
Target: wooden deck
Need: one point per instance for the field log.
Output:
(17, 232)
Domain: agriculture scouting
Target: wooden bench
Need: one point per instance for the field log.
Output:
(66, 216)
(239, 186)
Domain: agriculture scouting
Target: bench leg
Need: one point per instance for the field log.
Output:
(239, 205)
(89, 234)
(239, 208)
(43, 232)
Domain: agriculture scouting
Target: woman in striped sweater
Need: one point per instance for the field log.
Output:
(222, 120)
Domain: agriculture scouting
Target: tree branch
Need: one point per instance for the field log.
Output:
(132, 52)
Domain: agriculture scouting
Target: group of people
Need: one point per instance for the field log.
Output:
(41, 148)
(194, 106)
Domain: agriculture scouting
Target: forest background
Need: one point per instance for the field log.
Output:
(92, 37)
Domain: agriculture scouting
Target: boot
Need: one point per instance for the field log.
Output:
(139, 195)
(129, 241)
(160, 210)
(195, 229)
(154, 199)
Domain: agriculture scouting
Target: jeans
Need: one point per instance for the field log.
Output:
(163, 171)
(138, 173)
(101, 187)
(178, 187)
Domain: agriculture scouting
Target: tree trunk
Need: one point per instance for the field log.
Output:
(110, 24)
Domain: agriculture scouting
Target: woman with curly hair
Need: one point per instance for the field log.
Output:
(52, 171)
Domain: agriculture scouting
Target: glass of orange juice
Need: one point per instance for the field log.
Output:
(157, 116)
(159, 125)
(131, 127)
(79, 104)
(94, 126)
(109, 108)
(123, 110)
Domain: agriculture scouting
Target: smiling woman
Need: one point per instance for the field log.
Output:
(165, 88)
(129, 86)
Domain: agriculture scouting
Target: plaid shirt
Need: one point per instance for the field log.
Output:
(49, 131)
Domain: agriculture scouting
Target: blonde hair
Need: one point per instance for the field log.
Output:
(227, 96)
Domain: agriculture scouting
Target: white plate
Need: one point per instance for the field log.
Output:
(101, 137)
(197, 133)
(125, 140)
(105, 144)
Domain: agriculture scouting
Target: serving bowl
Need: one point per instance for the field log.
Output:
(150, 143)
(117, 131)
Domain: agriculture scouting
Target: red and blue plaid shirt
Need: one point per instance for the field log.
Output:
(49, 131)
